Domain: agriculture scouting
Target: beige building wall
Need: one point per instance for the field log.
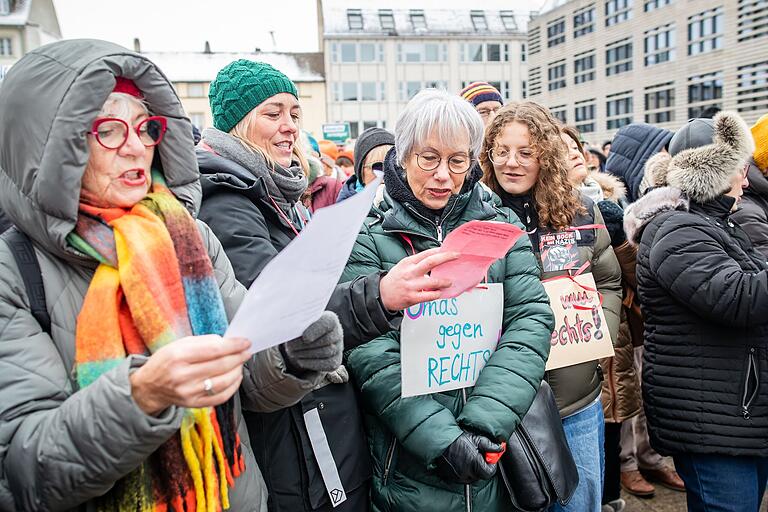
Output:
(194, 99)
(739, 66)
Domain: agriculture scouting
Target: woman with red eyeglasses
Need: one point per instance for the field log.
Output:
(118, 390)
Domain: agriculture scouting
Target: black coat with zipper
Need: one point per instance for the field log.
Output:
(704, 295)
(238, 209)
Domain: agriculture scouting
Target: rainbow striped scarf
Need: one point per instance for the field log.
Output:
(154, 285)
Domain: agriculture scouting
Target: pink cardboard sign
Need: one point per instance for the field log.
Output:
(479, 243)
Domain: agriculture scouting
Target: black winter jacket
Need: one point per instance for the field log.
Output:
(630, 148)
(238, 209)
(704, 294)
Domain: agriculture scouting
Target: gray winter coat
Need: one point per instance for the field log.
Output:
(60, 446)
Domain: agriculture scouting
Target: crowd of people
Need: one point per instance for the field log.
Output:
(130, 238)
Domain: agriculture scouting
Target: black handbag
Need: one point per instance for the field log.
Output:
(538, 468)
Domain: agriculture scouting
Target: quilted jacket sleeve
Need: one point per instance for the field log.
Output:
(421, 424)
(267, 385)
(509, 382)
(693, 266)
(753, 219)
(607, 273)
(59, 448)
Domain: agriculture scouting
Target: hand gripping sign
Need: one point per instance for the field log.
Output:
(581, 332)
(445, 343)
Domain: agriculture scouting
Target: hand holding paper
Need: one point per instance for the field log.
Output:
(479, 243)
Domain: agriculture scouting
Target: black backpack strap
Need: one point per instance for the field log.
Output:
(24, 253)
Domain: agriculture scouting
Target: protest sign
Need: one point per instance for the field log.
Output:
(444, 344)
(581, 332)
(479, 243)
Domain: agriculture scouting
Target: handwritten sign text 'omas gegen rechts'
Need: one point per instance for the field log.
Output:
(445, 344)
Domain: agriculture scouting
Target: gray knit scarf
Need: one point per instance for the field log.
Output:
(284, 185)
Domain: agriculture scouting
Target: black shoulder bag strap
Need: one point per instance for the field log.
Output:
(24, 253)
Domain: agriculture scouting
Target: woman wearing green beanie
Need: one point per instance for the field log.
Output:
(313, 455)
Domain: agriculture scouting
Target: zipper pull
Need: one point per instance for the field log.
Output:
(440, 233)
(527, 207)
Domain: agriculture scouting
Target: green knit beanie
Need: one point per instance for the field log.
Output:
(240, 87)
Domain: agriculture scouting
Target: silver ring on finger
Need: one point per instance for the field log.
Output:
(208, 387)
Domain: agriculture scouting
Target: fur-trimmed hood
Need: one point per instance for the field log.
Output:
(705, 172)
(613, 188)
(641, 212)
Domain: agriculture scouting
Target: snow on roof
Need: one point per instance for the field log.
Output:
(19, 14)
(438, 22)
(203, 67)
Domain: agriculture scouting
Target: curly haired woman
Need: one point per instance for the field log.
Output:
(525, 161)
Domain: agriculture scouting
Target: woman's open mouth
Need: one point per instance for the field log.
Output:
(133, 178)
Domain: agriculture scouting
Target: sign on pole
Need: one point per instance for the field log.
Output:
(336, 132)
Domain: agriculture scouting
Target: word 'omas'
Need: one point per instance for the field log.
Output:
(452, 333)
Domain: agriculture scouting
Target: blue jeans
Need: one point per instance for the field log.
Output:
(585, 432)
(718, 483)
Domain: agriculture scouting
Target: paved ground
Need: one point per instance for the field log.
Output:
(664, 501)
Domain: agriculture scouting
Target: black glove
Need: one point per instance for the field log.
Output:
(318, 349)
(464, 462)
(613, 216)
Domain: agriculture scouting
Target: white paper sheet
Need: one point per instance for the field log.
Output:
(294, 288)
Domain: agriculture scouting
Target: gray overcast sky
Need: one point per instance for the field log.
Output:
(229, 25)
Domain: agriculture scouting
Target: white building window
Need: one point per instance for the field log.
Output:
(704, 92)
(349, 91)
(660, 103)
(6, 49)
(618, 57)
(556, 75)
(555, 32)
(584, 114)
(651, 5)
(618, 108)
(5, 7)
(659, 44)
(348, 53)
(560, 112)
(478, 20)
(508, 20)
(355, 19)
(418, 21)
(752, 87)
(584, 67)
(422, 52)
(524, 88)
(196, 90)
(386, 19)
(705, 31)
(485, 52)
(584, 21)
(198, 119)
(617, 11)
(523, 55)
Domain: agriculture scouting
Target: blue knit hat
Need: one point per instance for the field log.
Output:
(240, 87)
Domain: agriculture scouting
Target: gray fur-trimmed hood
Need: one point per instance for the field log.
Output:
(705, 172)
(48, 101)
(657, 201)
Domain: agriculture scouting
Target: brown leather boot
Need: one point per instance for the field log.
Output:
(666, 477)
(634, 483)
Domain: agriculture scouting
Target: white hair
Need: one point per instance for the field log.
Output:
(441, 114)
(119, 104)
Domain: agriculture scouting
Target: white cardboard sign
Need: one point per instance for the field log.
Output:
(445, 344)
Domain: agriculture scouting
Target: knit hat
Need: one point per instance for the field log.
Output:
(240, 87)
(127, 86)
(478, 92)
(760, 134)
(698, 132)
(367, 142)
(328, 148)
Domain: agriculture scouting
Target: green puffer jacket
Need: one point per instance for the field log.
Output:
(406, 435)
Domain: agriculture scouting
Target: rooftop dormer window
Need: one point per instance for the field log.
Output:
(418, 20)
(355, 19)
(508, 19)
(386, 19)
(478, 20)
